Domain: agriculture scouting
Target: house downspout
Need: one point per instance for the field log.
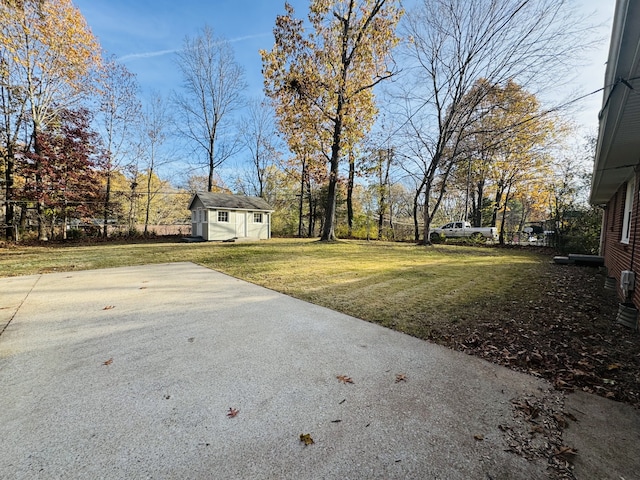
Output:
(635, 210)
(603, 230)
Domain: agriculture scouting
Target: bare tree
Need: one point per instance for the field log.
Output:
(455, 43)
(155, 121)
(213, 83)
(118, 114)
(259, 136)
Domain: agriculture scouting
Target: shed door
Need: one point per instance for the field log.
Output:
(199, 221)
(241, 224)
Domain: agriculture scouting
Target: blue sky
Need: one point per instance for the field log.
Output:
(144, 34)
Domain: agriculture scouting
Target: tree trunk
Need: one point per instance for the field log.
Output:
(132, 203)
(416, 203)
(496, 206)
(302, 182)
(148, 207)
(211, 162)
(39, 187)
(312, 211)
(8, 194)
(504, 215)
(477, 216)
(107, 201)
(350, 182)
(65, 222)
(328, 229)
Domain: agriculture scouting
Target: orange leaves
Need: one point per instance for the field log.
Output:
(109, 307)
(344, 379)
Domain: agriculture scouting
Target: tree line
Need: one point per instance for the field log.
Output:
(376, 122)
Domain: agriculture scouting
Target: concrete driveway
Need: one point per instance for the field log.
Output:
(131, 372)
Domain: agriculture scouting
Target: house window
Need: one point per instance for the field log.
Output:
(194, 218)
(628, 210)
(223, 217)
(257, 218)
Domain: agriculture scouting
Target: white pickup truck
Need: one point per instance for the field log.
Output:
(463, 229)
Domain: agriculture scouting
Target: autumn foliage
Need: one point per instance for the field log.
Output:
(64, 175)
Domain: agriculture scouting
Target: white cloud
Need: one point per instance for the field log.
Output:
(159, 53)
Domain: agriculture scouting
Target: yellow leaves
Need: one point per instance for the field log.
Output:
(49, 41)
(306, 439)
(344, 56)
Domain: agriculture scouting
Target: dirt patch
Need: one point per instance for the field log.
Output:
(569, 336)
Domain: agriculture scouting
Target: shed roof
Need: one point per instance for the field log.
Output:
(230, 202)
(618, 149)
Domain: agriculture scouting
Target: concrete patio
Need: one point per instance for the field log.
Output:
(131, 372)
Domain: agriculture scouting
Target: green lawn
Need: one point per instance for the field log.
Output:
(406, 287)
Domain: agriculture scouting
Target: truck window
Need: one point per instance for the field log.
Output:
(458, 225)
(448, 225)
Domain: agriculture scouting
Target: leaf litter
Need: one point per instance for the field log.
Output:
(569, 337)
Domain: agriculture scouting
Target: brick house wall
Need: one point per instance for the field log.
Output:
(618, 255)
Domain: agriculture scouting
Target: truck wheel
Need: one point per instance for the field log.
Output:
(435, 237)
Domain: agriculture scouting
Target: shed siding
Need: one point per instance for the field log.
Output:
(241, 221)
(258, 230)
(618, 255)
(221, 230)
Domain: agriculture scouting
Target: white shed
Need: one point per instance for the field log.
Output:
(222, 216)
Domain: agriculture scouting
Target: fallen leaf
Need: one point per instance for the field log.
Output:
(401, 377)
(109, 307)
(562, 423)
(108, 362)
(336, 421)
(613, 366)
(570, 416)
(567, 453)
(143, 288)
(232, 412)
(537, 429)
(479, 437)
(306, 439)
(344, 379)
(191, 339)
